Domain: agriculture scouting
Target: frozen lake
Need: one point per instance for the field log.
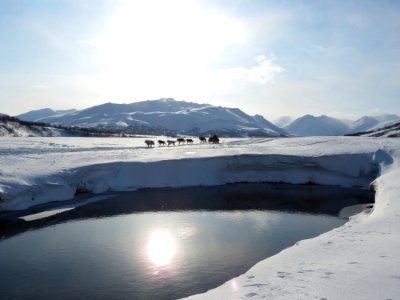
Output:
(163, 243)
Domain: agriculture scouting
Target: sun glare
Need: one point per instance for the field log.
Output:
(160, 44)
(161, 247)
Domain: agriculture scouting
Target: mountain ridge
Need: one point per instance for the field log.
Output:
(167, 114)
(172, 117)
(389, 131)
(309, 125)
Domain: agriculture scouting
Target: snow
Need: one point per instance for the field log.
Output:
(179, 116)
(37, 170)
(392, 130)
(15, 128)
(373, 123)
(363, 124)
(356, 261)
(309, 125)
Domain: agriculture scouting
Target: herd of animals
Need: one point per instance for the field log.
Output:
(211, 140)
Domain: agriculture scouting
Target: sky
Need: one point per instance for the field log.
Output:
(274, 58)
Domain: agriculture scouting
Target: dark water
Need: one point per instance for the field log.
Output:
(162, 244)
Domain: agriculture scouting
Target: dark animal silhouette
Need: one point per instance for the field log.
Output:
(181, 140)
(149, 143)
(171, 143)
(161, 143)
(213, 139)
(189, 141)
(202, 139)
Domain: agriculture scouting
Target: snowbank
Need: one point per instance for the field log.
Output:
(214, 165)
(356, 261)
(351, 170)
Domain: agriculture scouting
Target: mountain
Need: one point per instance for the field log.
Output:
(267, 124)
(12, 126)
(387, 118)
(37, 115)
(367, 123)
(309, 125)
(392, 130)
(363, 124)
(168, 116)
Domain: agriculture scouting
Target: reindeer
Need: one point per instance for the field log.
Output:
(161, 143)
(149, 143)
(170, 143)
(202, 139)
(189, 141)
(181, 140)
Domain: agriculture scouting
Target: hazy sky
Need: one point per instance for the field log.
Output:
(340, 58)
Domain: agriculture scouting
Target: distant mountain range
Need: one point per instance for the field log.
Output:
(372, 123)
(309, 125)
(170, 117)
(163, 116)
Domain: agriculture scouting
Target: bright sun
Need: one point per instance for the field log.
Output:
(164, 45)
(161, 247)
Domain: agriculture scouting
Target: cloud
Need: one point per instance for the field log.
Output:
(264, 72)
(200, 83)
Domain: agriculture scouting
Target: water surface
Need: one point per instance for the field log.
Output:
(164, 243)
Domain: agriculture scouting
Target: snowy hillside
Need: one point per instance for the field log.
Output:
(309, 125)
(11, 126)
(387, 131)
(169, 115)
(363, 124)
(367, 123)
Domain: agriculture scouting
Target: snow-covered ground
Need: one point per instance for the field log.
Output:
(357, 261)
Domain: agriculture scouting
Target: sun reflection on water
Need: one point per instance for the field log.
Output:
(161, 247)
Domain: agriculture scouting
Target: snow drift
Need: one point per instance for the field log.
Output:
(350, 170)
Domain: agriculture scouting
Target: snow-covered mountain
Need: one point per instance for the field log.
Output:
(36, 115)
(368, 123)
(363, 124)
(392, 130)
(169, 115)
(309, 125)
